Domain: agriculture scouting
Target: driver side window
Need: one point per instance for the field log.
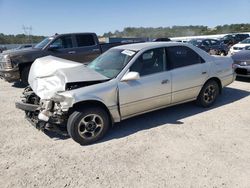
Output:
(150, 62)
(63, 42)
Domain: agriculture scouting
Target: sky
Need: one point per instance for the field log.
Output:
(47, 17)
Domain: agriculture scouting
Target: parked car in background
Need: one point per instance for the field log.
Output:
(243, 45)
(240, 37)
(22, 46)
(162, 40)
(80, 47)
(212, 46)
(232, 39)
(123, 82)
(242, 63)
(2, 48)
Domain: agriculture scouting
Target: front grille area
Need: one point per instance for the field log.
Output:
(242, 63)
(238, 48)
(242, 71)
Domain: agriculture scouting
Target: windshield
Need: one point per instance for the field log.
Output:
(111, 63)
(195, 42)
(44, 42)
(246, 41)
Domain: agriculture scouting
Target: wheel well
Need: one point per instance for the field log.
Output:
(218, 82)
(22, 65)
(91, 103)
(224, 51)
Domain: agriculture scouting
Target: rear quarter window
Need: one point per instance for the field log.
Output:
(85, 40)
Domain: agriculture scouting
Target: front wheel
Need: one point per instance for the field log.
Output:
(88, 125)
(25, 75)
(208, 94)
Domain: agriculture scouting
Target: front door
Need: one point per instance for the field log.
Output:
(152, 90)
(63, 47)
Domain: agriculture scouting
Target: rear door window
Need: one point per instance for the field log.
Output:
(83, 40)
(181, 56)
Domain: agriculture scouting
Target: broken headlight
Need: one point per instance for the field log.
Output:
(58, 98)
(63, 100)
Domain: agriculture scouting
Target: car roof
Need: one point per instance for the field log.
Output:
(149, 45)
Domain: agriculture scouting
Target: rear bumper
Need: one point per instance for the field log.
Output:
(10, 75)
(226, 80)
(27, 107)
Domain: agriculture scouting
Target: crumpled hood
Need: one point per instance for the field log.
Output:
(49, 75)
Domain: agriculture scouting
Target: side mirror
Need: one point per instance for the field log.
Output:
(53, 47)
(131, 76)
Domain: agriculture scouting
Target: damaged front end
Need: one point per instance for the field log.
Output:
(48, 100)
(43, 114)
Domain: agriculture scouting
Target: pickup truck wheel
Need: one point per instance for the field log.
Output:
(208, 94)
(88, 125)
(25, 75)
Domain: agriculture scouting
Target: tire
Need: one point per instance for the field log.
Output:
(223, 53)
(88, 125)
(25, 75)
(208, 94)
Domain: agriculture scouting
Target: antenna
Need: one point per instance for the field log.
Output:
(28, 31)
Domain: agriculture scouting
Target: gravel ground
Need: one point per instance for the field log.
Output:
(181, 146)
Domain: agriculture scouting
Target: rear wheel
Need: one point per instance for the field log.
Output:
(25, 75)
(208, 94)
(223, 53)
(88, 125)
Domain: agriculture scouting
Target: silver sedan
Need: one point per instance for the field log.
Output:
(123, 82)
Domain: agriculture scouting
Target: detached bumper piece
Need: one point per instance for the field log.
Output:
(32, 112)
(26, 107)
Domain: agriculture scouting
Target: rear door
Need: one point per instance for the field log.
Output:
(189, 72)
(152, 90)
(87, 48)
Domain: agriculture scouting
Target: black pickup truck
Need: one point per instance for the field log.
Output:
(80, 47)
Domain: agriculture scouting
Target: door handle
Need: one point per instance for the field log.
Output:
(204, 73)
(164, 81)
(72, 52)
(95, 50)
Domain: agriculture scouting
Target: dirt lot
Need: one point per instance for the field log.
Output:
(182, 146)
